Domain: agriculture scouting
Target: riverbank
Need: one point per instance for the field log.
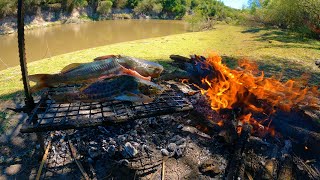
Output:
(45, 18)
(276, 51)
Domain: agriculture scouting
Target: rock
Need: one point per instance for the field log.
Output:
(172, 147)
(129, 151)
(164, 152)
(180, 126)
(175, 138)
(146, 148)
(179, 152)
(210, 166)
(317, 62)
(124, 162)
(13, 169)
(93, 152)
(121, 138)
(111, 150)
(181, 141)
(90, 160)
(153, 122)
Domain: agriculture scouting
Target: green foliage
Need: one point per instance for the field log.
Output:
(79, 3)
(294, 14)
(7, 7)
(195, 21)
(148, 7)
(104, 7)
(132, 3)
(119, 3)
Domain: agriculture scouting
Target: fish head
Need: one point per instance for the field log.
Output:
(143, 67)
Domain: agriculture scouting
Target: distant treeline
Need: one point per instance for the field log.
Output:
(173, 9)
(299, 15)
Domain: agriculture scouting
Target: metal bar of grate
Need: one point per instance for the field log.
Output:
(54, 116)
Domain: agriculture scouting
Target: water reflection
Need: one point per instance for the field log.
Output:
(60, 39)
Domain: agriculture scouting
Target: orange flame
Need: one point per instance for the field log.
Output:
(247, 86)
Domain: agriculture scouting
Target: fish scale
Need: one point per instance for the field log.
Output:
(124, 88)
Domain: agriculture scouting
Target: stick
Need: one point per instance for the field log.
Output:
(74, 156)
(45, 157)
(235, 170)
(163, 170)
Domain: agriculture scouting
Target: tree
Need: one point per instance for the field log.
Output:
(104, 7)
(148, 7)
(119, 3)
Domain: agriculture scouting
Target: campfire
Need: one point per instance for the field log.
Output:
(218, 122)
(246, 89)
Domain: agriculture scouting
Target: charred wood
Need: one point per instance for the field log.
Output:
(285, 173)
(304, 170)
(235, 169)
(302, 136)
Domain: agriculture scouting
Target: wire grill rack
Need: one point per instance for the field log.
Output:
(49, 115)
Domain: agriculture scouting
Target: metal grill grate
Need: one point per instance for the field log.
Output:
(49, 116)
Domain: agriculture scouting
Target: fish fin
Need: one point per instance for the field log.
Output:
(133, 73)
(70, 67)
(101, 58)
(40, 80)
(129, 96)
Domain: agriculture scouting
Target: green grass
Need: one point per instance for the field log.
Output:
(274, 50)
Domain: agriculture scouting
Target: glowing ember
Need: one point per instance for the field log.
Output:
(249, 90)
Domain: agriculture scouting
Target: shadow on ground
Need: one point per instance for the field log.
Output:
(292, 39)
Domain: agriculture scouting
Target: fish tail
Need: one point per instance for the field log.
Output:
(41, 81)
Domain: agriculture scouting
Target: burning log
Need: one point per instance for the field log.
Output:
(236, 166)
(301, 136)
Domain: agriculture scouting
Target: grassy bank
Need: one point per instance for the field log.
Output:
(275, 51)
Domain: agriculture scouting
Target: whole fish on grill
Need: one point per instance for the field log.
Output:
(143, 67)
(122, 88)
(83, 72)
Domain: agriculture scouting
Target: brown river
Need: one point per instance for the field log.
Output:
(51, 41)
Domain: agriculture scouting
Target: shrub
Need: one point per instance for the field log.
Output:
(7, 7)
(104, 7)
(148, 7)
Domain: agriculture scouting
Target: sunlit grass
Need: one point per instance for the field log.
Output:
(277, 49)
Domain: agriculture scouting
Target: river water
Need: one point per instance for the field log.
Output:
(50, 41)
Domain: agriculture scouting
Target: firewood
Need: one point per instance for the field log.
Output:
(235, 171)
(306, 170)
(302, 136)
(179, 58)
(75, 157)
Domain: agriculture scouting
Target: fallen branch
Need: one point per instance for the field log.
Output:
(45, 157)
(74, 156)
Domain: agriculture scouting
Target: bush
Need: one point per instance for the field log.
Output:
(7, 7)
(104, 7)
(148, 7)
(196, 21)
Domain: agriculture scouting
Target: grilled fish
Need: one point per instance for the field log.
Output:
(143, 67)
(82, 72)
(123, 88)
